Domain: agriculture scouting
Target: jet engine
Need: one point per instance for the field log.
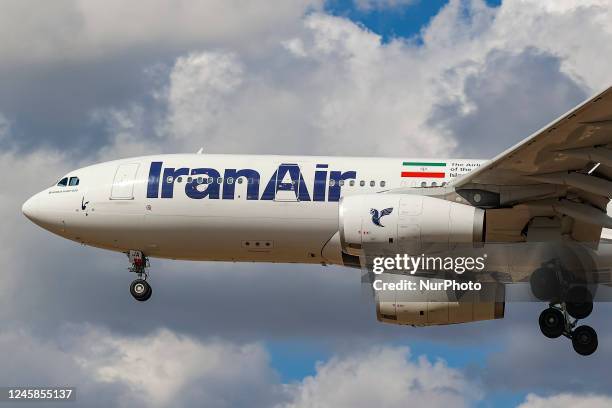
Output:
(406, 223)
(426, 307)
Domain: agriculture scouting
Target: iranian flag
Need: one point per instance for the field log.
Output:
(424, 170)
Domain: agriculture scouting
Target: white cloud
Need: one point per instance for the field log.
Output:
(318, 93)
(159, 370)
(200, 92)
(81, 29)
(334, 88)
(162, 366)
(163, 369)
(567, 400)
(383, 377)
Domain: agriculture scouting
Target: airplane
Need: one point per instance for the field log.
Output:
(553, 186)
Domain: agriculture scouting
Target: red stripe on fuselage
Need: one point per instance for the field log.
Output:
(422, 174)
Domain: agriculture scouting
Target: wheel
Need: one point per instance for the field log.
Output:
(148, 295)
(552, 323)
(579, 310)
(584, 340)
(141, 290)
(544, 284)
(580, 302)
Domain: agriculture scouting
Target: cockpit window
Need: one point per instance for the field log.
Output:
(74, 181)
(63, 182)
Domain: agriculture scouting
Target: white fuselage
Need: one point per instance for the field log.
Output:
(224, 207)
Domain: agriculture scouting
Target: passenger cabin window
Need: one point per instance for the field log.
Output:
(352, 183)
(362, 183)
(63, 182)
(382, 183)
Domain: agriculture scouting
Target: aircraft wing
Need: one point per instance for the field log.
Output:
(562, 171)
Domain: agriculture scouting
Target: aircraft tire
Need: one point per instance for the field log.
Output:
(552, 323)
(580, 302)
(584, 340)
(141, 290)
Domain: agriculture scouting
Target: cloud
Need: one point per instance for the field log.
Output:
(158, 370)
(166, 369)
(470, 89)
(528, 361)
(316, 94)
(200, 93)
(566, 401)
(66, 59)
(81, 29)
(496, 109)
(163, 368)
(383, 377)
(322, 84)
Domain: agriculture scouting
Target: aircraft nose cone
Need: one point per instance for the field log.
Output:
(30, 208)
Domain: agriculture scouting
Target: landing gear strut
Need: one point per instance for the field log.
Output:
(139, 288)
(562, 319)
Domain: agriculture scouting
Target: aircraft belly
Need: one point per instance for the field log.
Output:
(259, 232)
(230, 239)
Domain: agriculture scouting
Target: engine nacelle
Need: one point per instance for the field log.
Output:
(406, 223)
(430, 308)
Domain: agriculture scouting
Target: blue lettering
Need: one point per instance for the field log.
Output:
(296, 184)
(288, 177)
(320, 183)
(334, 190)
(251, 178)
(170, 175)
(210, 190)
(153, 183)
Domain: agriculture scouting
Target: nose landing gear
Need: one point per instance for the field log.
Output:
(560, 319)
(139, 288)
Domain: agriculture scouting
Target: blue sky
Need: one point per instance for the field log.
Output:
(402, 21)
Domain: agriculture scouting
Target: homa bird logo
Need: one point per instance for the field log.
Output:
(376, 216)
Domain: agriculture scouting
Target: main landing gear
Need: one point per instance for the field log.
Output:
(139, 288)
(561, 319)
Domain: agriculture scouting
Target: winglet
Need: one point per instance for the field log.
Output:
(200, 151)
